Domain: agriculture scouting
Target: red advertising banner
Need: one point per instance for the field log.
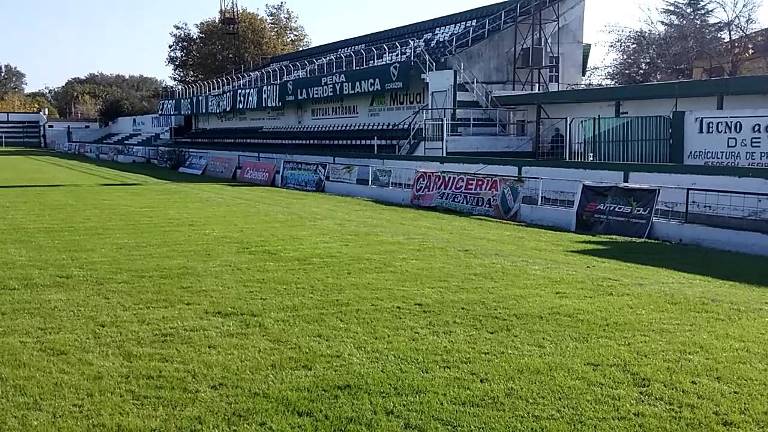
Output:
(260, 173)
(221, 167)
(491, 196)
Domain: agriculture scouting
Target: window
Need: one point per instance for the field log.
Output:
(554, 69)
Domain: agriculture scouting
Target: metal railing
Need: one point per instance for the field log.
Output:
(620, 139)
(433, 127)
(482, 93)
(747, 211)
(496, 22)
(360, 58)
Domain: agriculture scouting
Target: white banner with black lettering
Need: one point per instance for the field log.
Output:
(727, 138)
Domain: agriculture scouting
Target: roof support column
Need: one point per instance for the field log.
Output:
(537, 138)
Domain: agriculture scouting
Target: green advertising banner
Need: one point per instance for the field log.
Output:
(377, 79)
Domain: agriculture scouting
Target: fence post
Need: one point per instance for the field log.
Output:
(677, 147)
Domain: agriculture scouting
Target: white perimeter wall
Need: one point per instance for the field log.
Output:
(148, 124)
(566, 181)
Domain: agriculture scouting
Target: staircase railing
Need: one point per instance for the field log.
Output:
(482, 93)
(499, 21)
(415, 125)
(426, 63)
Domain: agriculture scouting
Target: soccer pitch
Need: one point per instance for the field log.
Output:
(134, 298)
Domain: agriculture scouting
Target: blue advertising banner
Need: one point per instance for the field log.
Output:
(194, 165)
(303, 176)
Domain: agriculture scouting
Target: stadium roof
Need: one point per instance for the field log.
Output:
(737, 86)
(396, 34)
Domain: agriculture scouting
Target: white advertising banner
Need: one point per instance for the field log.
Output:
(727, 138)
(343, 173)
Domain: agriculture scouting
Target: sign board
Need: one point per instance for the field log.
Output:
(194, 165)
(727, 138)
(260, 173)
(221, 167)
(343, 173)
(479, 195)
(377, 79)
(616, 210)
(303, 176)
(381, 177)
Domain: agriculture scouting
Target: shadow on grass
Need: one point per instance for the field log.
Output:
(725, 266)
(17, 151)
(143, 169)
(55, 186)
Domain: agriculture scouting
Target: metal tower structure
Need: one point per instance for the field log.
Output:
(537, 47)
(229, 16)
(229, 19)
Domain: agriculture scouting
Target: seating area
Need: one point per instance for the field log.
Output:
(20, 133)
(359, 137)
(126, 139)
(430, 33)
(434, 36)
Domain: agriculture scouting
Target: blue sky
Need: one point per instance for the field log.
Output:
(54, 40)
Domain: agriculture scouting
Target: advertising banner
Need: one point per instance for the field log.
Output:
(378, 79)
(221, 167)
(343, 173)
(260, 173)
(194, 165)
(616, 210)
(715, 138)
(478, 195)
(361, 81)
(304, 176)
(381, 177)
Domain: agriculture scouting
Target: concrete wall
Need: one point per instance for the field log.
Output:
(492, 61)
(714, 238)
(55, 124)
(148, 124)
(556, 183)
(12, 117)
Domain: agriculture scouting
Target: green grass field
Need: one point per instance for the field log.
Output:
(133, 298)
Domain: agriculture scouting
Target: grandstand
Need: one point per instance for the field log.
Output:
(21, 129)
(399, 91)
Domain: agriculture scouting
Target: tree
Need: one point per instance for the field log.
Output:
(738, 20)
(639, 57)
(207, 51)
(107, 96)
(690, 31)
(12, 80)
(682, 34)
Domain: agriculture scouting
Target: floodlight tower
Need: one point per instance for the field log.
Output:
(229, 19)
